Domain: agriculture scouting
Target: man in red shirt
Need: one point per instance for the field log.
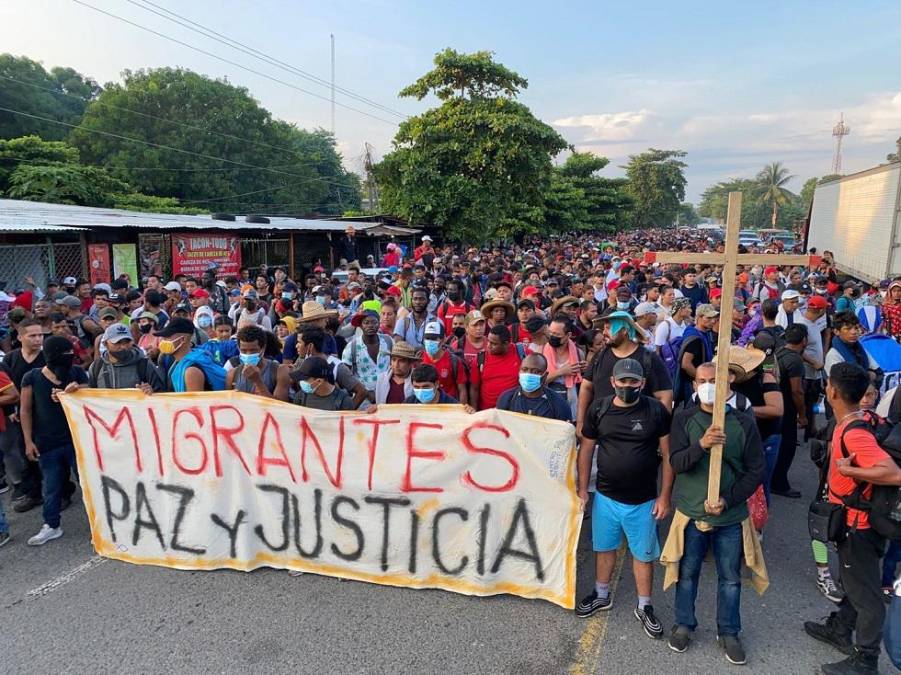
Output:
(455, 304)
(453, 378)
(497, 369)
(425, 249)
(855, 458)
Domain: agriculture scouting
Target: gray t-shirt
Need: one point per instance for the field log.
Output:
(337, 400)
(814, 349)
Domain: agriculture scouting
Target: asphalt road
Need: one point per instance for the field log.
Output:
(66, 610)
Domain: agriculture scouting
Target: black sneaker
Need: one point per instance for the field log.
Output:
(27, 503)
(735, 653)
(679, 638)
(856, 664)
(649, 622)
(830, 633)
(591, 604)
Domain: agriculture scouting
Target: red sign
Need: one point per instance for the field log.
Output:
(192, 254)
(99, 263)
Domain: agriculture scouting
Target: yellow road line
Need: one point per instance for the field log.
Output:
(591, 642)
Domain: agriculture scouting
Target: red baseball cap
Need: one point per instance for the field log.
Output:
(528, 291)
(772, 269)
(817, 302)
(393, 290)
(716, 293)
(199, 293)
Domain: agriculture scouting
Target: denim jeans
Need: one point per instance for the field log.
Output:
(770, 455)
(728, 552)
(890, 563)
(4, 526)
(57, 465)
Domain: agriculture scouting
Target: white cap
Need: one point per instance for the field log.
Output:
(70, 281)
(103, 287)
(790, 295)
(221, 283)
(426, 238)
(173, 286)
(434, 328)
(644, 308)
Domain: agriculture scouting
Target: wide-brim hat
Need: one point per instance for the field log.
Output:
(404, 350)
(488, 307)
(744, 361)
(599, 321)
(562, 302)
(312, 310)
(357, 320)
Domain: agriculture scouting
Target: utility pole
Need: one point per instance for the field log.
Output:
(332, 36)
(371, 186)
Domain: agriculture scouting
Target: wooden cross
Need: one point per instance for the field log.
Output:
(729, 260)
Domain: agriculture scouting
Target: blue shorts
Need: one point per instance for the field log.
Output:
(610, 518)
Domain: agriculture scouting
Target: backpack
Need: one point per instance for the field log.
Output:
(669, 352)
(480, 359)
(884, 504)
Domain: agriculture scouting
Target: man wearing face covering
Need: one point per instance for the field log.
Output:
(624, 340)
(46, 431)
(627, 429)
(185, 368)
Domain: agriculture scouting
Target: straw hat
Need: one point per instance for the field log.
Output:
(405, 350)
(743, 361)
(489, 306)
(562, 302)
(312, 310)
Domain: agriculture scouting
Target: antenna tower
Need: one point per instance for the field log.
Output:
(839, 131)
(371, 186)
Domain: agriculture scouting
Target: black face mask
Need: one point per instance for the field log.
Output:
(453, 296)
(145, 328)
(459, 331)
(627, 395)
(250, 305)
(555, 341)
(60, 365)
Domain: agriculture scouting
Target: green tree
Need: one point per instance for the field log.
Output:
(65, 184)
(687, 214)
(807, 190)
(657, 186)
(579, 199)
(773, 178)
(31, 150)
(479, 164)
(715, 201)
(61, 95)
(896, 155)
(197, 116)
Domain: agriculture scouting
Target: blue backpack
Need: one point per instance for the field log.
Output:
(669, 352)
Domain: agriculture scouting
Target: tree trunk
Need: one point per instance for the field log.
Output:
(775, 210)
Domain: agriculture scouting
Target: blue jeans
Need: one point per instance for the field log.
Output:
(770, 455)
(728, 552)
(56, 465)
(4, 526)
(889, 563)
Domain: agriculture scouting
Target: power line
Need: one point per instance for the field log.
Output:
(163, 147)
(97, 101)
(257, 54)
(229, 61)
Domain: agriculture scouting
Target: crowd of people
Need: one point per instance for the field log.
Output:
(574, 329)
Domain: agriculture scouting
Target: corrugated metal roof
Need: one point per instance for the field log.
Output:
(22, 227)
(23, 216)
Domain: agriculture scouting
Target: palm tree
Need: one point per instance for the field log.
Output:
(772, 180)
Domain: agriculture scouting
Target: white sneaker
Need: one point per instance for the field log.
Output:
(46, 534)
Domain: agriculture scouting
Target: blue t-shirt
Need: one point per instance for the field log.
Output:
(550, 404)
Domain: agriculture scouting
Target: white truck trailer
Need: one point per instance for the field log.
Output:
(858, 218)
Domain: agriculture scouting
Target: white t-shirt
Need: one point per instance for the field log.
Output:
(668, 330)
(814, 349)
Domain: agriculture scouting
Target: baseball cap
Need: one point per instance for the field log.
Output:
(435, 329)
(628, 369)
(173, 286)
(525, 302)
(116, 333)
(199, 293)
(772, 269)
(535, 323)
(528, 291)
(107, 313)
(474, 317)
(426, 238)
(817, 302)
(644, 308)
(680, 303)
(183, 307)
(70, 281)
(313, 366)
(790, 295)
(804, 289)
(739, 305)
(250, 294)
(103, 287)
(70, 301)
(149, 315)
(16, 314)
(849, 284)
(716, 293)
(177, 326)
(707, 311)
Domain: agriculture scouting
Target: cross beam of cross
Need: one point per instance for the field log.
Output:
(729, 259)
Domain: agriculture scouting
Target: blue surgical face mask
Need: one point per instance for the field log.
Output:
(529, 382)
(204, 321)
(622, 305)
(321, 300)
(249, 359)
(424, 395)
(306, 387)
(287, 296)
(431, 346)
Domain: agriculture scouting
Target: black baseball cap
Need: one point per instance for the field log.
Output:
(177, 326)
(313, 366)
(628, 369)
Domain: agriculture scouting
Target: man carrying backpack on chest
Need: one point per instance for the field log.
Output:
(856, 464)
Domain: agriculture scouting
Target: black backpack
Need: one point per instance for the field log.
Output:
(884, 505)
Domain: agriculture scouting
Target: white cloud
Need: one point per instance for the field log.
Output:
(620, 126)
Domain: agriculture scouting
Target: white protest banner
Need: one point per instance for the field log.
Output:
(415, 496)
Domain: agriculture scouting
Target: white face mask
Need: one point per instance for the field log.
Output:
(706, 393)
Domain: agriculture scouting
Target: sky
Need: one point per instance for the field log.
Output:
(734, 84)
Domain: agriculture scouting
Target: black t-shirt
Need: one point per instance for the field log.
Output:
(49, 427)
(754, 390)
(16, 366)
(790, 365)
(601, 370)
(627, 446)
